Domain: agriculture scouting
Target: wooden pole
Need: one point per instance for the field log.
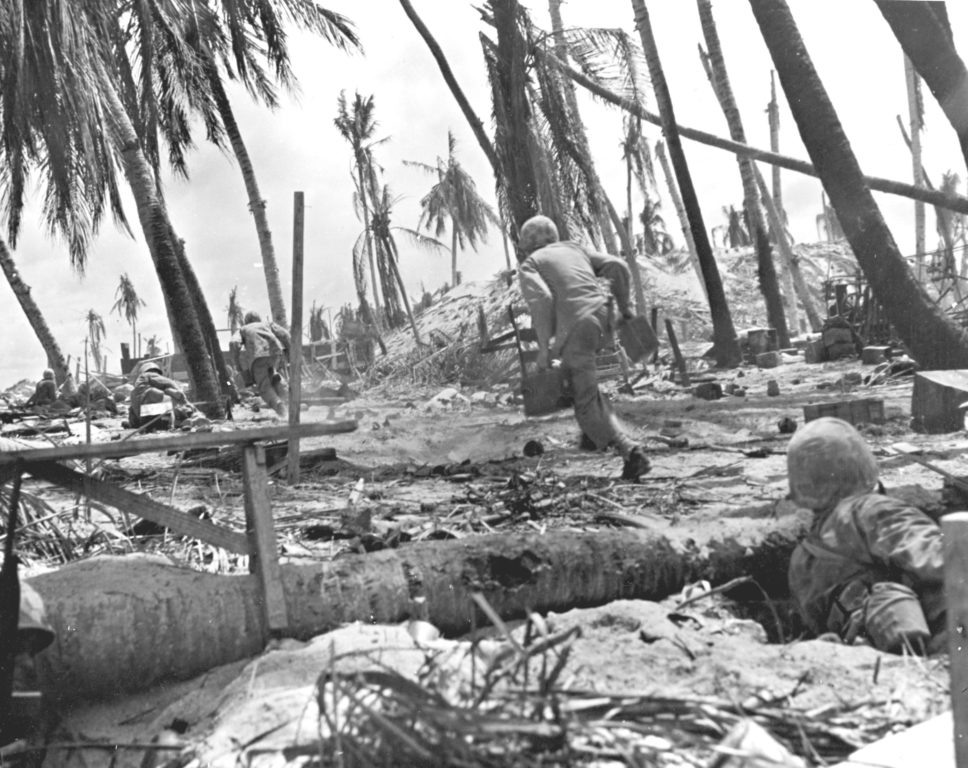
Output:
(677, 353)
(295, 347)
(955, 530)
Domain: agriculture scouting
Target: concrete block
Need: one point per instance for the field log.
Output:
(814, 351)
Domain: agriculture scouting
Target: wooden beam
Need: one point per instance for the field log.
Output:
(295, 333)
(263, 553)
(955, 530)
(138, 504)
(677, 354)
(119, 448)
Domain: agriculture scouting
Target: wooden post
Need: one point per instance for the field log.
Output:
(263, 555)
(955, 530)
(654, 322)
(677, 353)
(295, 349)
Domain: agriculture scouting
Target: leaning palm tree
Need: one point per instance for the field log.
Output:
(725, 345)
(61, 112)
(55, 358)
(356, 123)
(127, 304)
(95, 335)
(454, 201)
(933, 339)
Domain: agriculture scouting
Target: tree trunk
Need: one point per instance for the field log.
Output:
(368, 235)
(932, 197)
(477, 127)
(577, 129)
(773, 115)
(453, 255)
(158, 234)
(766, 271)
(660, 153)
(126, 624)
(913, 83)
(725, 345)
(926, 39)
(512, 115)
(934, 340)
(55, 358)
(392, 253)
(790, 259)
(257, 205)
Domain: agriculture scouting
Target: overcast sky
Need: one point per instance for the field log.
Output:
(297, 148)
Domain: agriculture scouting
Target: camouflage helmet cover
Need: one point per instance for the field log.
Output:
(48, 373)
(537, 232)
(252, 317)
(151, 368)
(827, 461)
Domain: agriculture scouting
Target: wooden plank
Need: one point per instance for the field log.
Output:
(118, 448)
(677, 354)
(141, 505)
(295, 334)
(263, 553)
(935, 401)
(955, 530)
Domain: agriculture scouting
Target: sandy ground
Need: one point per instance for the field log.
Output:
(441, 469)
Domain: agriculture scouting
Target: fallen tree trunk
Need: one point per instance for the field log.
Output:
(125, 624)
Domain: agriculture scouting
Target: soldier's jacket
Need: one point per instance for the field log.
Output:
(560, 284)
(142, 384)
(867, 538)
(262, 339)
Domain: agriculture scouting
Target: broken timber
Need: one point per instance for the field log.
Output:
(127, 623)
(259, 541)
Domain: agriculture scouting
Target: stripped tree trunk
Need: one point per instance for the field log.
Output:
(766, 271)
(950, 202)
(127, 623)
(680, 212)
(790, 259)
(55, 358)
(932, 338)
(913, 83)
(725, 345)
(773, 115)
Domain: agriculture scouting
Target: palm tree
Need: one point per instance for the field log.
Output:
(55, 358)
(357, 125)
(759, 233)
(332, 27)
(725, 345)
(95, 335)
(127, 303)
(454, 200)
(388, 259)
(62, 112)
(933, 339)
(234, 311)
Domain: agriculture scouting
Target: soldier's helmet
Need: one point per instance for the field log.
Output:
(151, 368)
(537, 232)
(827, 461)
(251, 317)
(33, 632)
(49, 373)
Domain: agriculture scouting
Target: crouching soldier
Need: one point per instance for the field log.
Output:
(871, 566)
(265, 347)
(45, 393)
(153, 387)
(570, 316)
